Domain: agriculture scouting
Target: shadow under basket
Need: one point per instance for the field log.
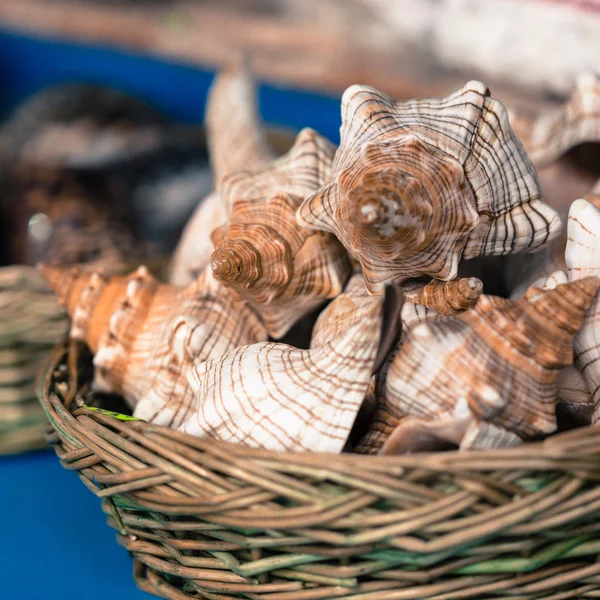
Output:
(205, 519)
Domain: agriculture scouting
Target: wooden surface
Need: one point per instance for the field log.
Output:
(311, 44)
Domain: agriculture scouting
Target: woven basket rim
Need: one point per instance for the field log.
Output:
(559, 452)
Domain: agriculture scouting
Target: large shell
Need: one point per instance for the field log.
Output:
(557, 131)
(278, 397)
(496, 364)
(418, 184)
(282, 269)
(236, 138)
(445, 297)
(146, 336)
(583, 259)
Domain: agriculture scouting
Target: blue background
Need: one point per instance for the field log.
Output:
(54, 542)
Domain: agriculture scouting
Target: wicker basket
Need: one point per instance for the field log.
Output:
(204, 519)
(31, 323)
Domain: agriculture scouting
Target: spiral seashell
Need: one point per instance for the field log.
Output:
(277, 397)
(445, 297)
(236, 139)
(281, 269)
(146, 336)
(496, 364)
(583, 260)
(553, 133)
(417, 185)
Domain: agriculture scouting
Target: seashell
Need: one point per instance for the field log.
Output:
(495, 364)
(445, 297)
(412, 314)
(583, 260)
(146, 335)
(236, 139)
(280, 268)
(416, 185)
(578, 121)
(195, 246)
(277, 397)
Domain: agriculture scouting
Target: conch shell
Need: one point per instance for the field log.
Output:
(146, 335)
(490, 371)
(583, 260)
(417, 185)
(236, 138)
(445, 297)
(278, 397)
(280, 268)
(576, 122)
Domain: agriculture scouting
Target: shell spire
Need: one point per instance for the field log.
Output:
(278, 397)
(146, 336)
(236, 138)
(281, 269)
(445, 297)
(426, 183)
(494, 365)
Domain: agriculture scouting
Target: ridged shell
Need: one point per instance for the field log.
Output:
(417, 185)
(575, 404)
(195, 246)
(146, 336)
(583, 260)
(445, 297)
(278, 397)
(236, 139)
(280, 268)
(497, 363)
(577, 121)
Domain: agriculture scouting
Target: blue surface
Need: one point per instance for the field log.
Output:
(54, 543)
(28, 64)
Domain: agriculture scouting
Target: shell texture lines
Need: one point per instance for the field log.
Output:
(494, 365)
(281, 269)
(278, 397)
(417, 185)
(146, 336)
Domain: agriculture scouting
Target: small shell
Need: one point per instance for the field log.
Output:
(577, 121)
(583, 260)
(445, 297)
(497, 363)
(236, 138)
(195, 246)
(281, 269)
(145, 335)
(278, 397)
(418, 184)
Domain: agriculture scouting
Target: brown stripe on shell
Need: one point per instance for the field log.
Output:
(447, 175)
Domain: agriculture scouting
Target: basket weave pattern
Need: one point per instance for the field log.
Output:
(31, 323)
(203, 519)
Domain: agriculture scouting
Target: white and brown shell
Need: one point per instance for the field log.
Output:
(489, 371)
(277, 397)
(281, 269)
(417, 185)
(556, 131)
(146, 336)
(444, 297)
(583, 260)
(236, 137)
